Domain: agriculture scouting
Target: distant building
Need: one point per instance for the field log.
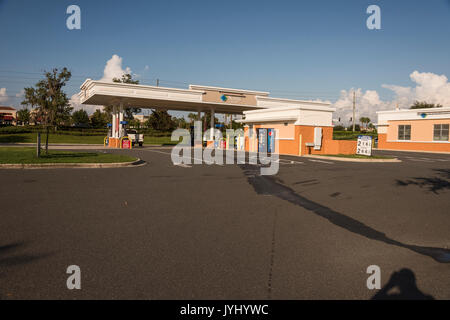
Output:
(140, 117)
(414, 129)
(7, 115)
(34, 118)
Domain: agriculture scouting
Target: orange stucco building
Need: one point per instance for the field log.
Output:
(414, 129)
(297, 127)
(300, 127)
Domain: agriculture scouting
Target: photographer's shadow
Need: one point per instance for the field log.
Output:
(404, 281)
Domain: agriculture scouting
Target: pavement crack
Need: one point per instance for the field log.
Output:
(272, 256)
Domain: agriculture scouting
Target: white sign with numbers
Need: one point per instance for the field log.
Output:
(364, 145)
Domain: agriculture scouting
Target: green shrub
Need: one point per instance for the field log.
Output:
(12, 130)
(350, 135)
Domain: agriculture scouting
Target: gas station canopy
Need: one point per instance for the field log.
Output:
(287, 115)
(196, 98)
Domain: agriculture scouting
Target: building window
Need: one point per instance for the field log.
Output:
(440, 132)
(404, 132)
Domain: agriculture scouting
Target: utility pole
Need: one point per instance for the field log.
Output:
(354, 107)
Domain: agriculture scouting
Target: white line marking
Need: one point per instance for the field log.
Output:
(314, 160)
(169, 153)
(289, 161)
(419, 160)
(183, 165)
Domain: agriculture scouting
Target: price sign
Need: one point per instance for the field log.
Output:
(364, 145)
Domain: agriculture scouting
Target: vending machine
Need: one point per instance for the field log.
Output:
(262, 140)
(270, 140)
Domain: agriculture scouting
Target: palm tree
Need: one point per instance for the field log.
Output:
(193, 117)
(365, 122)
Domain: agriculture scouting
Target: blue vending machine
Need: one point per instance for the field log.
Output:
(262, 140)
(270, 140)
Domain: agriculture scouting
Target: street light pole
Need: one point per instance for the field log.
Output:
(354, 107)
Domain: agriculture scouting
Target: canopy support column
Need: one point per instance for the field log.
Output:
(212, 124)
(121, 133)
(113, 133)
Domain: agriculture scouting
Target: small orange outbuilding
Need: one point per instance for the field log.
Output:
(299, 128)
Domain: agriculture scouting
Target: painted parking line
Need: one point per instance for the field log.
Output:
(279, 160)
(285, 161)
(192, 158)
(183, 165)
(432, 159)
(419, 160)
(391, 155)
(321, 161)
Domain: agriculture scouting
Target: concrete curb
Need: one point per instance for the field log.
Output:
(136, 163)
(352, 159)
(415, 151)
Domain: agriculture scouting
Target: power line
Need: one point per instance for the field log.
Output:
(5, 79)
(167, 82)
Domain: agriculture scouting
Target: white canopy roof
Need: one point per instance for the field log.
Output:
(143, 96)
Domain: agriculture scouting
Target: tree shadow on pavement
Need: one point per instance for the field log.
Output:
(9, 258)
(270, 185)
(433, 184)
(405, 283)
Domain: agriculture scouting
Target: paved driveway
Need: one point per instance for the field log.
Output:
(224, 232)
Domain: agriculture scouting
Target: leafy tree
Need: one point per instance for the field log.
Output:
(134, 123)
(161, 120)
(128, 112)
(24, 116)
(357, 127)
(100, 119)
(424, 105)
(80, 117)
(206, 119)
(236, 125)
(180, 122)
(52, 104)
(126, 78)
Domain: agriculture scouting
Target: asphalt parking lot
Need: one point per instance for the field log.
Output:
(163, 231)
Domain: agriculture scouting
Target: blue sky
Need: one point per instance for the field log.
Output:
(295, 49)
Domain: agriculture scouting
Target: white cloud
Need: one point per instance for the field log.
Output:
(367, 104)
(76, 104)
(113, 68)
(3, 95)
(429, 87)
(20, 94)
